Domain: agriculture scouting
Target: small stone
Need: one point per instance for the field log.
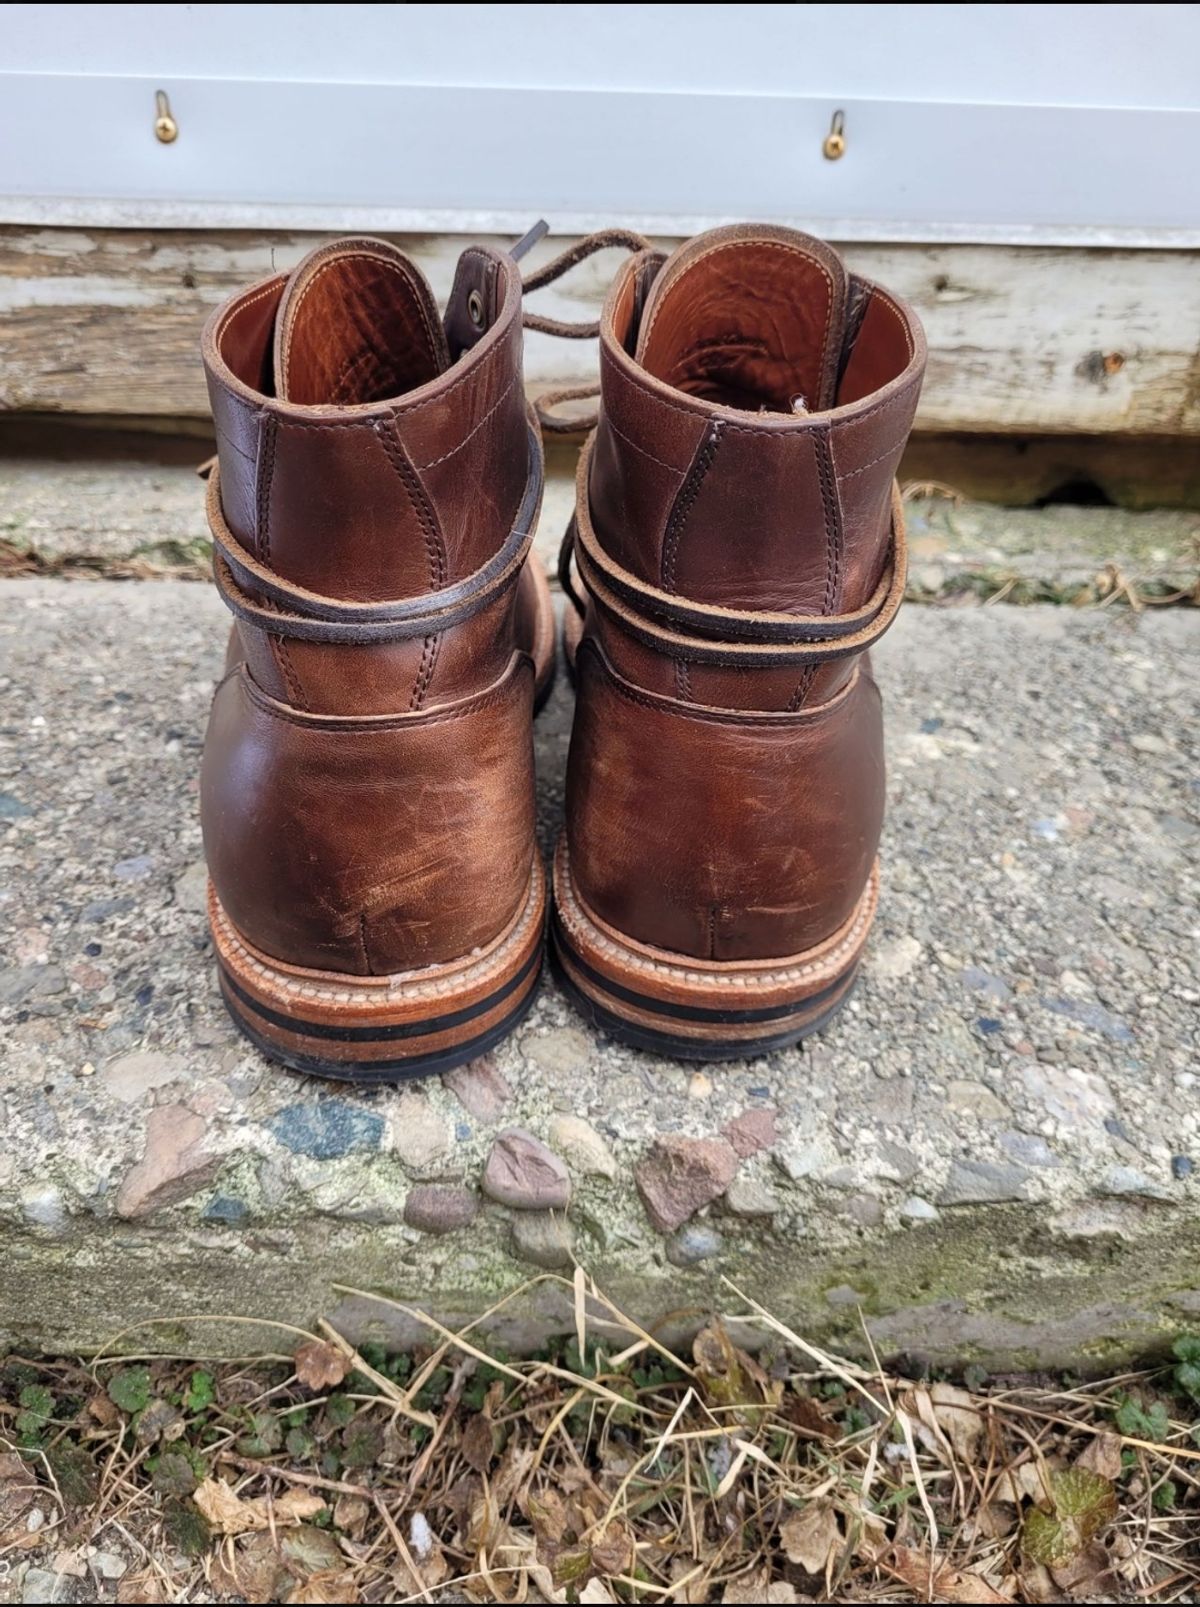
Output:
(175, 1163)
(1027, 1148)
(1077, 1099)
(132, 870)
(191, 888)
(700, 1085)
(326, 1128)
(984, 1183)
(693, 1244)
(523, 1173)
(560, 1053)
(987, 982)
(1126, 1180)
(897, 1164)
(12, 808)
(439, 1208)
(1181, 1166)
(583, 1148)
(420, 1137)
(17, 983)
(679, 1175)
(974, 1099)
(754, 1130)
(227, 1210)
(1149, 742)
(107, 1565)
(895, 960)
(745, 1196)
(134, 1077)
(479, 1087)
(801, 1158)
(542, 1240)
(40, 1585)
(865, 1209)
(42, 1206)
(916, 1209)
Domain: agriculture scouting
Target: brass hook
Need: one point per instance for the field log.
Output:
(835, 141)
(166, 129)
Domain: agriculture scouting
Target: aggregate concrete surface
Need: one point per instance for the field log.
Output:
(990, 1155)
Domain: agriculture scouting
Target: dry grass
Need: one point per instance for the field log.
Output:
(616, 1472)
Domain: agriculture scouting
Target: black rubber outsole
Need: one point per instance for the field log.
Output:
(407, 1068)
(678, 1048)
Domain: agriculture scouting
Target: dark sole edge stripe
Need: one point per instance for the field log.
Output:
(386, 1071)
(663, 1043)
(381, 1034)
(685, 1012)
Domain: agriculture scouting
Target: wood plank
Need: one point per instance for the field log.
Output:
(1023, 340)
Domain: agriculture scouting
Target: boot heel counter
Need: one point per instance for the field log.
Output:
(370, 845)
(722, 834)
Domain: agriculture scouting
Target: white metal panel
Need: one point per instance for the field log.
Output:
(983, 122)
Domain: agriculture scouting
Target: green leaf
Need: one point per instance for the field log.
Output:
(130, 1389)
(572, 1567)
(38, 1401)
(339, 1409)
(186, 1528)
(172, 1474)
(299, 1444)
(1187, 1349)
(1128, 1418)
(1187, 1378)
(1165, 1496)
(362, 1443)
(75, 1473)
(201, 1392)
(265, 1436)
(1081, 1505)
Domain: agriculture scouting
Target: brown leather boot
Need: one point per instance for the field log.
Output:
(741, 540)
(367, 790)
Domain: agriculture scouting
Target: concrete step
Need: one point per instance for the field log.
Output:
(989, 1153)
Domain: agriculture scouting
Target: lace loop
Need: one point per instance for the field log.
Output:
(564, 329)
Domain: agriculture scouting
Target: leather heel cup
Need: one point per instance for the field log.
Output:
(696, 1010)
(390, 1028)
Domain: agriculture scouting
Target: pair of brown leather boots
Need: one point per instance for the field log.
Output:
(377, 898)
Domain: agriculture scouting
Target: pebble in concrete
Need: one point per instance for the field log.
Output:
(132, 1078)
(419, 1135)
(680, 1175)
(754, 1130)
(523, 1173)
(1119, 1180)
(542, 1239)
(326, 1129)
(42, 1205)
(480, 1088)
(746, 1196)
(693, 1244)
(916, 1209)
(174, 1165)
(984, 1182)
(582, 1147)
(440, 1208)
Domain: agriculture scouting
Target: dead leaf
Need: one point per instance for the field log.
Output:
(866, 1529)
(546, 1512)
(933, 1580)
(612, 1552)
(957, 1414)
(808, 1415)
(350, 1514)
(479, 1442)
(18, 1492)
(1021, 1483)
(596, 1591)
(320, 1366)
(229, 1514)
(159, 1421)
(811, 1536)
(142, 1589)
(1102, 1456)
(326, 1587)
(1089, 1577)
(252, 1572)
(103, 1410)
(729, 1377)
(309, 1550)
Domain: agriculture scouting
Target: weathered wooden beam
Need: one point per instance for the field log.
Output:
(1023, 340)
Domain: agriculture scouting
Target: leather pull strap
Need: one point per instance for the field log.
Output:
(262, 598)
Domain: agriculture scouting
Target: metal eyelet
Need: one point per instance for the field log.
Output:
(475, 309)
